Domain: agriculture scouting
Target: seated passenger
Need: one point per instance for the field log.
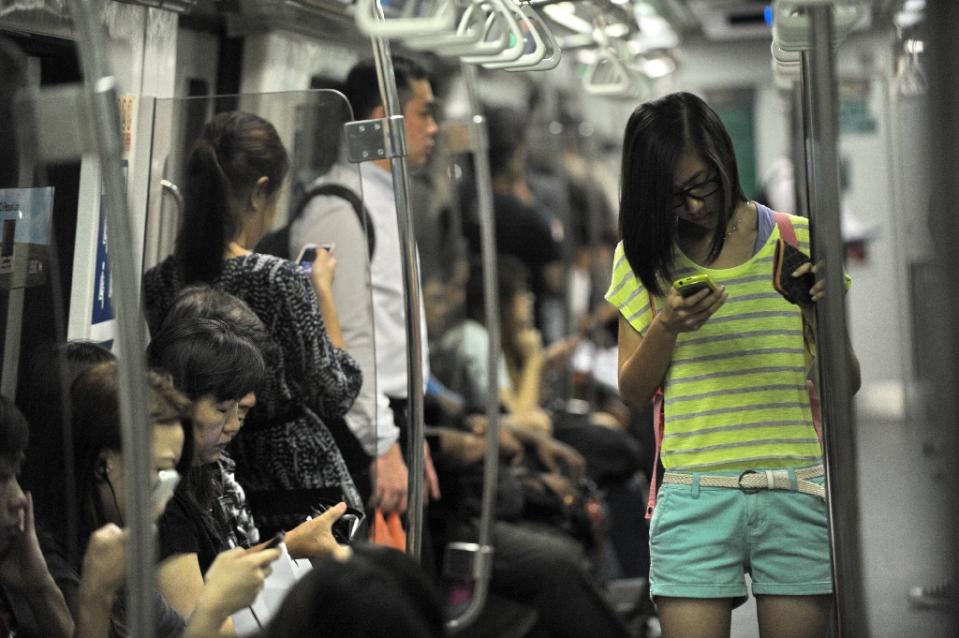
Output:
(533, 566)
(233, 580)
(219, 368)
(524, 229)
(235, 173)
(44, 397)
(461, 354)
(30, 602)
(378, 592)
(229, 505)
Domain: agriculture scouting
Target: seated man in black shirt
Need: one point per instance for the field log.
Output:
(30, 602)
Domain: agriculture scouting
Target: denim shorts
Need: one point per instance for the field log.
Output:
(702, 540)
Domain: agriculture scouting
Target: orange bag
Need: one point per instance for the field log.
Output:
(388, 530)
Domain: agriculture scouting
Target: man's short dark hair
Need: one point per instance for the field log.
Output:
(362, 88)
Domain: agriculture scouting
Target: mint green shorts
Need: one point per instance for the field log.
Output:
(702, 540)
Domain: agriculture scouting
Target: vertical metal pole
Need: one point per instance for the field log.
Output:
(797, 127)
(943, 67)
(556, 140)
(411, 277)
(484, 196)
(831, 331)
(102, 90)
(597, 271)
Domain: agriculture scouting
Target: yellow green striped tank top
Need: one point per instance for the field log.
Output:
(735, 392)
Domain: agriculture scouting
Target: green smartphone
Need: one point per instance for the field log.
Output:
(689, 286)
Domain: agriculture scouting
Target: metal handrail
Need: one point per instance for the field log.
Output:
(482, 552)
(470, 29)
(821, 98)
(102, 93)
(371, 20)
(411, 278)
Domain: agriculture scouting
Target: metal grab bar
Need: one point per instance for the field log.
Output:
(439, 17)
(411, 280)
(482, 552)
(104, 102)
(470, 29)
(612, 80)
(553, 52)
(822, 161)
(509, 47)
(533, 35)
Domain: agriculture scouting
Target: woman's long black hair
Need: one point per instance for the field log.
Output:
(657, 134)
(234, 151)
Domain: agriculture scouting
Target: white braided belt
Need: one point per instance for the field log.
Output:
(754, 480)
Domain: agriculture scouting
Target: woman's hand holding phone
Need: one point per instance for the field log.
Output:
(688, 314)
(233, 582)
(314, 537)
(323, 272)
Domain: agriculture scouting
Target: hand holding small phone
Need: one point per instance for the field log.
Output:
(167, 481)
(308, 254)
(795, 288)
(695, 300)
(689, 286)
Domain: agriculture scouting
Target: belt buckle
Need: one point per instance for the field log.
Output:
(744, 489)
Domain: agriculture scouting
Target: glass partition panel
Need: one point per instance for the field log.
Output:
(448, 238)
(300, 440)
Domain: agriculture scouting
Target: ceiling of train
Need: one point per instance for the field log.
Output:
(646, 25)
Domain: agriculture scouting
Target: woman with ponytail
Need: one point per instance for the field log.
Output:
(286, 456)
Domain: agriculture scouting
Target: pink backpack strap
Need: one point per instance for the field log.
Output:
(788, 235)
(786, 230)
(659, 407)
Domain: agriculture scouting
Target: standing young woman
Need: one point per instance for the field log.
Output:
(732, 364)
(289, 458)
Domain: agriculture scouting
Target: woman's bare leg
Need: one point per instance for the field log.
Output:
(793, 616)
(694, 617)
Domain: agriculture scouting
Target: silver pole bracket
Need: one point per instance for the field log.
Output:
(370, 140)
(468, 561)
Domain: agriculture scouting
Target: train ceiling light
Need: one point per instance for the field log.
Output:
(178, 6)
(51, 7)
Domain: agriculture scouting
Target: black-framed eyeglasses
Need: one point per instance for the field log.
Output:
(699, 191)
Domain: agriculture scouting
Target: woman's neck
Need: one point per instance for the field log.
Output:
(741, 229)
(236, 248)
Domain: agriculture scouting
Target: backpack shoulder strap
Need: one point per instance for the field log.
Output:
(659, 408)
(338, 190)
(786, 230)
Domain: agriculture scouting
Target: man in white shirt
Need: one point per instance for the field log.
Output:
(332, 219)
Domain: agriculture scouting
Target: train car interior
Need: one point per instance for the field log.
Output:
(366, 318)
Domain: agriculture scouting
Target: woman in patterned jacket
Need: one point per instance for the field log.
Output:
(287, 458)
(742, 491)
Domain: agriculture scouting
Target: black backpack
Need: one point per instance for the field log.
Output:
(278, 242)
